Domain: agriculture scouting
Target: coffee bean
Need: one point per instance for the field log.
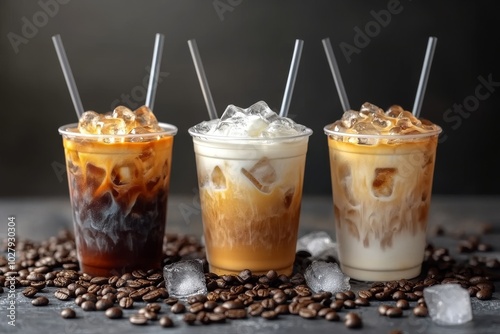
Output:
(268, 303)
(233, 304)
(484, 294)
(282, 309)
(138, 319)
(315, 306)
(337, 305)
(88, 305)
(126, 303)
(99, 280)
(236, 313)
(152, 296)
(80, 291)
(403, 304)
(171, 301)
(39, 285)
(353, 320)
(341, 296)
(324, 311)
(199, 298)
(165, 321)
(178, 308)
(220, 309)
(272, 275)
(420, 311)
(382, 309)
(216, 317)
(114, 312)
(40, 301)
(398, 295)
(307, 313)
(103, 304)
(349, 304)
(365, 294)
(269, 315)
(196, 307)
(150, 315)
(189, 318)
(30, 292)
(361, 301)
(394, 312)
(280, 297)
(89, 296)
(68, 313)
(62, 294)
(332, 316)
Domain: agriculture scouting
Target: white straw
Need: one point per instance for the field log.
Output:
(424, 76)
(68, 75)
(334, 67)
(155, 70)
(212, 112)
(292, 76)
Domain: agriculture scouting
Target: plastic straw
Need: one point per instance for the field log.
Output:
(155, 70)
(68, 75)
(292, 76)
(424, 76)
(212, 112)
(334, 67)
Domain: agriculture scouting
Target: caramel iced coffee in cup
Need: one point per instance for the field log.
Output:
(118, 168)
(250, 166)
(382, 166)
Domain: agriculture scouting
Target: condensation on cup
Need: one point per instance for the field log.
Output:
(382, 166)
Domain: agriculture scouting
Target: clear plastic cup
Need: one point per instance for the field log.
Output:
(250, 192)
(118, 187)
(382, 188)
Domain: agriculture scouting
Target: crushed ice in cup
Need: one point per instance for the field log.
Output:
(448, 304)
(324, 276)
(185, 278)
(257, 121)
(318, 244)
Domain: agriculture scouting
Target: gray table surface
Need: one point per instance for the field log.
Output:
(40, 218)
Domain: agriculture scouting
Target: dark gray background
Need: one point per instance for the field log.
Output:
(246, 51)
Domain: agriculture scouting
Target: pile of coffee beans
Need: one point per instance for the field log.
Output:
(49, 270)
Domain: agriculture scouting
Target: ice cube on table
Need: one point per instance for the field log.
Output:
(324, 276)
(448, 304)
(318, 244)
(185, 278)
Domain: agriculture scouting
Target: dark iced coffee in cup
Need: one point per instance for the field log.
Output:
(118, 168)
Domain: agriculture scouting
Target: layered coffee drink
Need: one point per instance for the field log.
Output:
(250, 166)
(118, 168)
(382, 166)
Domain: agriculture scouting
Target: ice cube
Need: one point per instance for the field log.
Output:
(349, 118)
(383, 182)
(185, 278)
(394, 111)
(145, 117)
(318, 244)
(88, 122)
(124, 113)
(111, 126)
(448, 304)
(124, 174)
(368, 108)
(262, 110)
(324, 276)
(218, 178)
(262, 175)
(232, 112)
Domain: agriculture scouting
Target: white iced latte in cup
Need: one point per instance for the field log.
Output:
(382, 166)
(250, 165)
